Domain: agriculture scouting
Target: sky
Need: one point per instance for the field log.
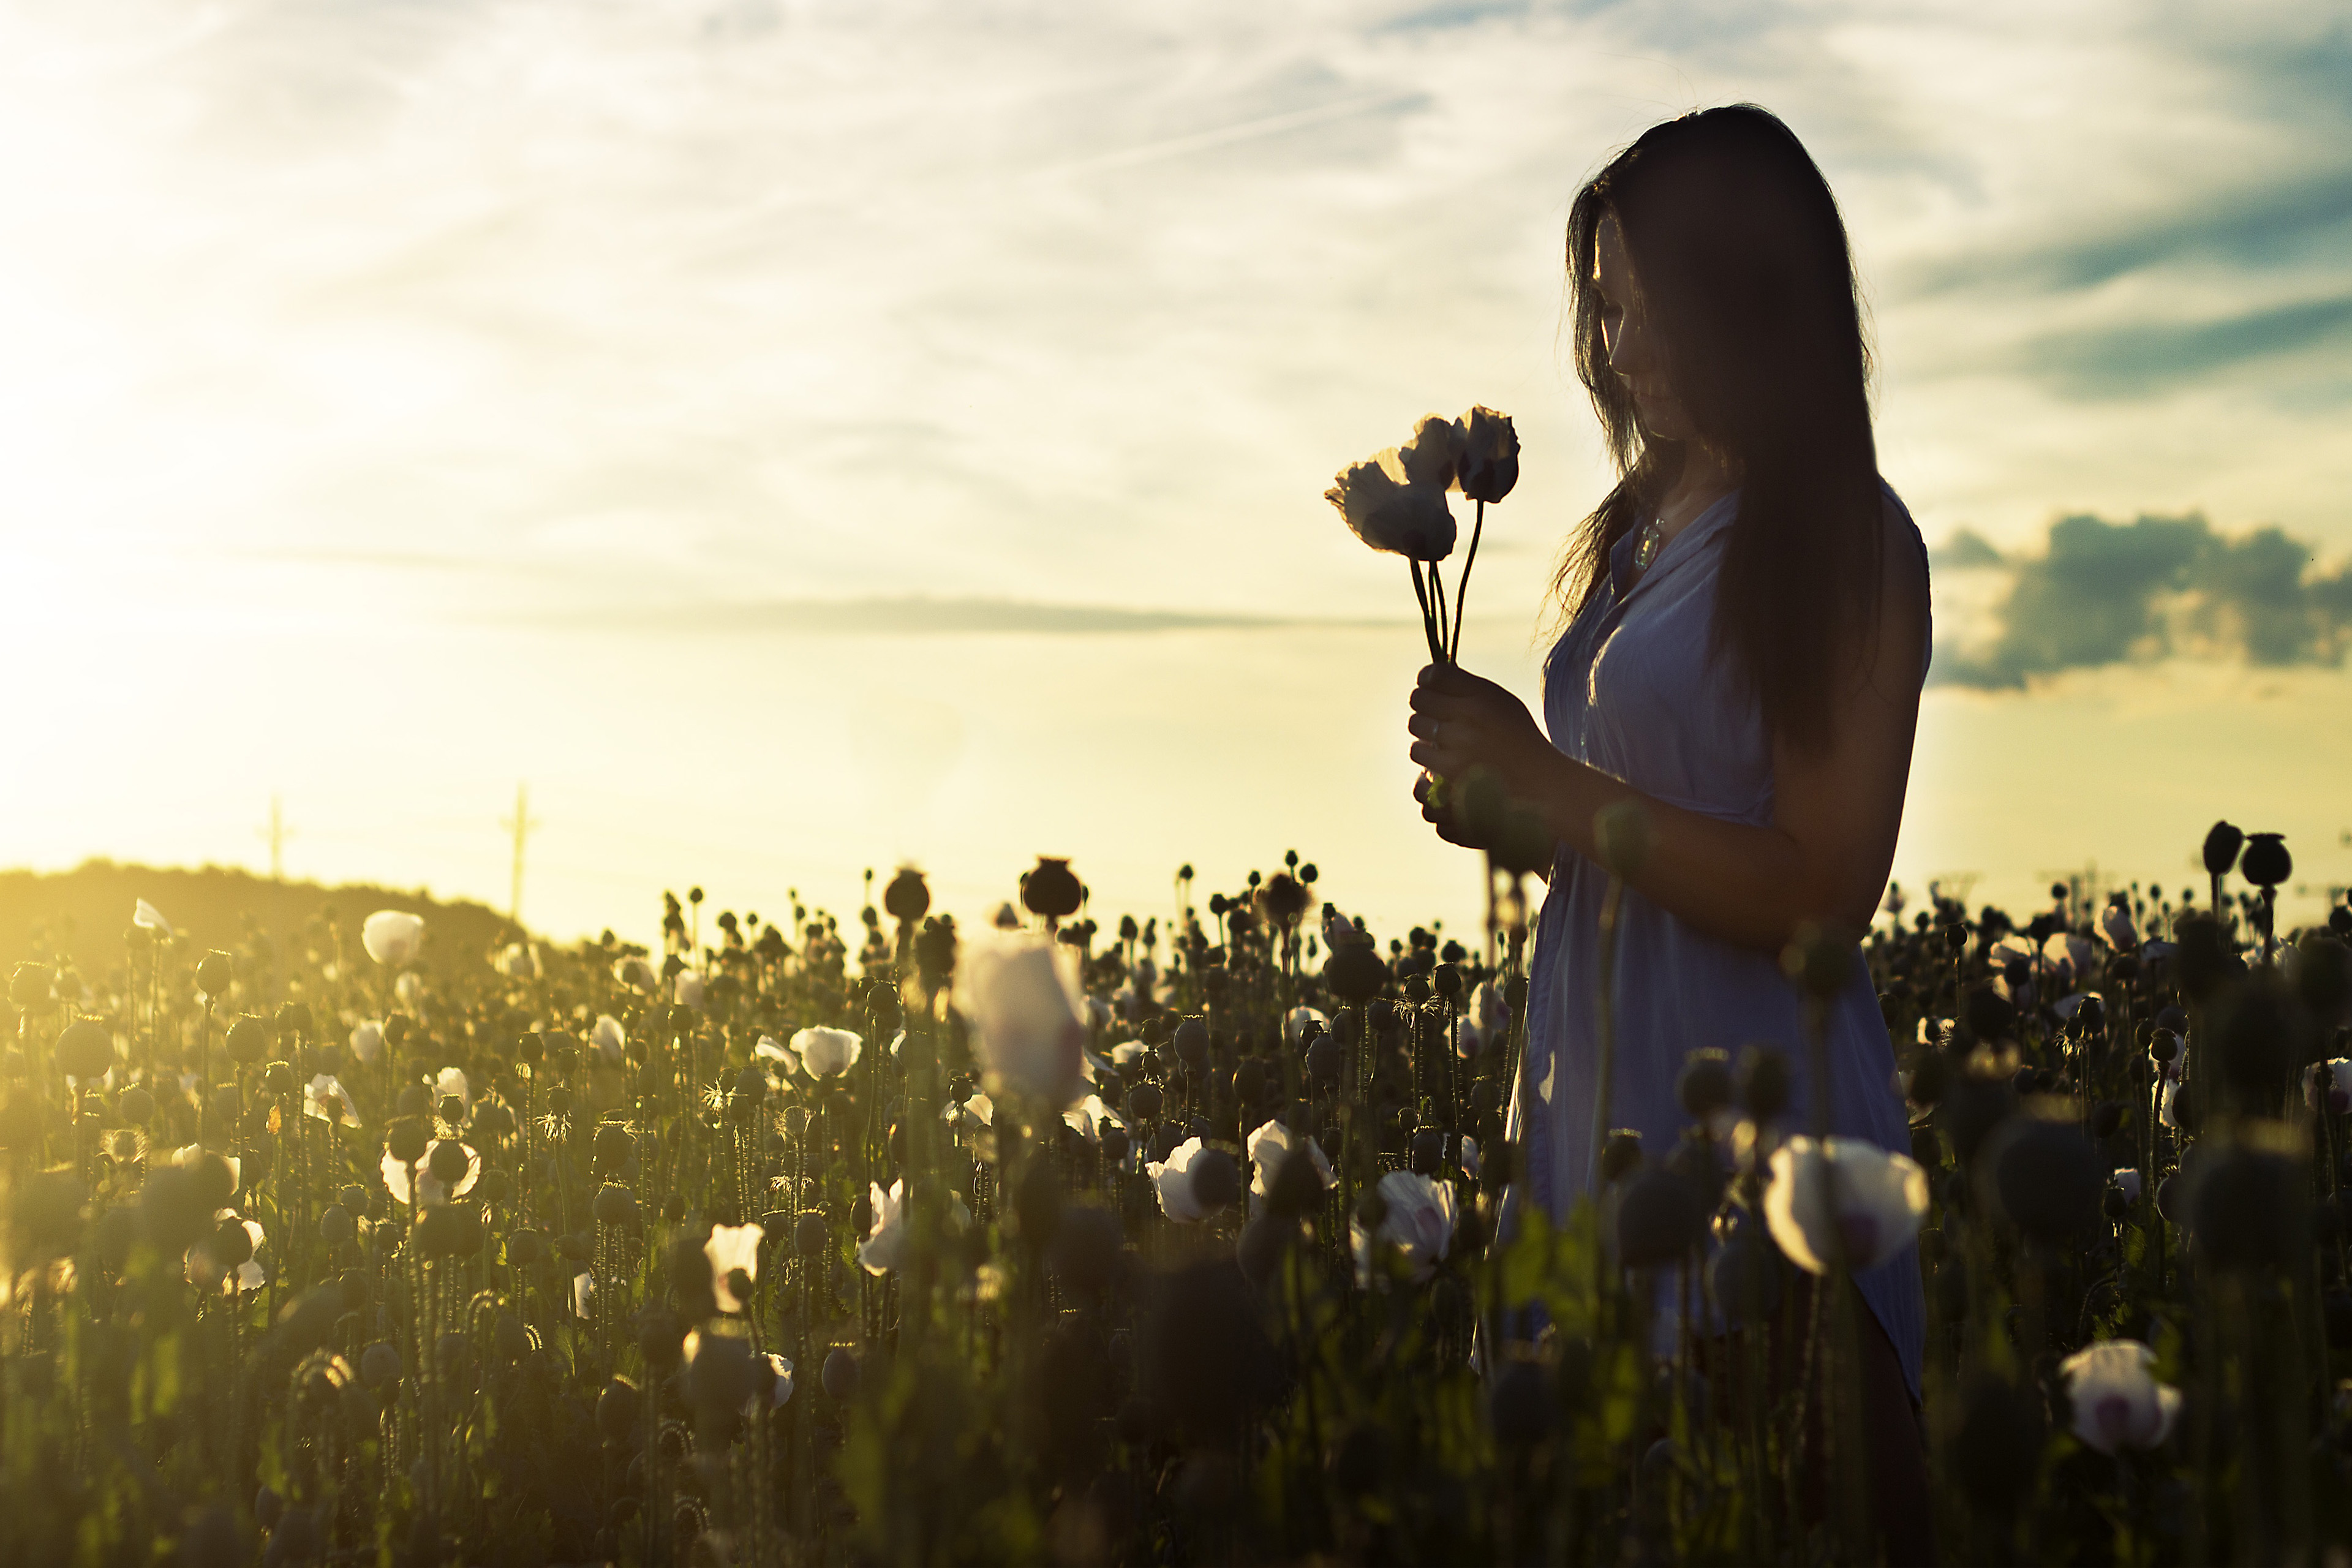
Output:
(796, 437)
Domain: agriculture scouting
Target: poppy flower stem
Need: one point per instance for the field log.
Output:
(1462, 585)
(1428, 621)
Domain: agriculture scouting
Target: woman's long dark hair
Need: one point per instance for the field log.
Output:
(1746, 282)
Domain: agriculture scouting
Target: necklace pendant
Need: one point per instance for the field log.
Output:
(1645, 548)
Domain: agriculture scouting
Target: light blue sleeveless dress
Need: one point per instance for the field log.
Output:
(1631, 689)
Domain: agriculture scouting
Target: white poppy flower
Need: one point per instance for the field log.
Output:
(330, 1101)
(1483, 1019)
(451, 1082)
(428, 1186)
(1021, 996)
(410, 988)
(203, 1271)
(2115, 1399)
(636, 972)
(1172, 1179)
(2115, 925)
(687, 989)
(367, 1041)
(2074, 954)
(608, 1038)
(827, 1053)
(1386, 510)
(981, 1108)
(732, 1247)
(518, 962)
(782, 1391)
(147, 917)
(1295, 1022)
(1419, 1224)
(190, 1155)
(392, 937)
(1269, 1147)
(884, 1247)
(1126, 1053)
(2164, 1102)
(2128, 1181)
(767, 1050)
(1469, 1156)
(2328, 1086)
(1090, 1116)
(584, 1293)
(1880, 1201)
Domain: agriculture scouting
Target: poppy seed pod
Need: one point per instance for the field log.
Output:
(1052, 890)
(2249, 1207)
(1622, 835)
(1446, 981)
(2222, 846)
(1193, 1044)
(1354, 973)
(1284, 899)
(2163, 1044)
(1621, 1155)
(413, 1101)
(380, 1365)
(908, 898)
(447, 1230)
(1661, 1216)
(1764, 1082)
(617, 1411)
(136, 1106)
(2265, 862)
(449, 1162)
(1145, 1101)
(29, 986)
(613, 1204)
(1428, 1150)
(86, 1049)
(213, 974)
(336, 1227)
(1705, 1085)
(839, 1377)
(2046, 1177)
(614, 1145)
(1216, 1179)
(406, 1139)
(1820, 959)
(294, 1021)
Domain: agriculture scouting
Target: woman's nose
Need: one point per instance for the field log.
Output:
(1629, 355)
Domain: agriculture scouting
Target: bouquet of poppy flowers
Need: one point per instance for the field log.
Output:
(1396, 501)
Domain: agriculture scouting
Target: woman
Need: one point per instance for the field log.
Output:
(1748, 634)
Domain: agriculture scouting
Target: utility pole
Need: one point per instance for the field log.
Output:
(521, 826)
(276, 834)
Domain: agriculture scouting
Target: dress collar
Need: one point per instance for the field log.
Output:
(1716, 516)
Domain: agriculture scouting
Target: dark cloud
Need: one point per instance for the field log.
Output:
(2104, 592)
(1966, 550)
(2148, 357)
(918, 615)
(2271, 225)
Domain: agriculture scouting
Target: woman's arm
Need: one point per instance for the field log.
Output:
(1826, 853)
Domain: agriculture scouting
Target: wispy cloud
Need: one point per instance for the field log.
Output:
(920, 617)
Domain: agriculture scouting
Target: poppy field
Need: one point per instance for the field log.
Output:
(1067, 1235)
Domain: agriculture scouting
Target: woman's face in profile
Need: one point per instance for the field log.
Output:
(1632, 342)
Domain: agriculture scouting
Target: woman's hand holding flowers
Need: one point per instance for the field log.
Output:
(1463, 724)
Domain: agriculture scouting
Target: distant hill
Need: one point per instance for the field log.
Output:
(81, 914)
